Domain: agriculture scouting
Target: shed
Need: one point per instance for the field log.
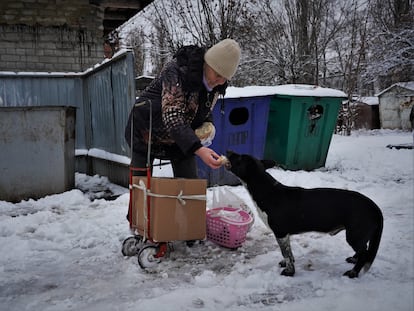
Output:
(141, 82)
(366, 113)
(395, 103)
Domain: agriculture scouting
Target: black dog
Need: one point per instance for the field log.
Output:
(293, 210)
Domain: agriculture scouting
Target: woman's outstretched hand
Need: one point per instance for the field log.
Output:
(209, 157)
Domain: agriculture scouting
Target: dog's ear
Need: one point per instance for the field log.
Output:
(268, 163)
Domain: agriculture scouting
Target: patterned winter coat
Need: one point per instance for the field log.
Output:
(180, 104)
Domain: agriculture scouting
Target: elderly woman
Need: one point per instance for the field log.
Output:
(182, 98)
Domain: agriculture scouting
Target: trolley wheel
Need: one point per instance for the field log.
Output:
(131, 245)
(148, 256)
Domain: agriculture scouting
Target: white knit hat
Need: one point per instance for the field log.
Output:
(224, 57)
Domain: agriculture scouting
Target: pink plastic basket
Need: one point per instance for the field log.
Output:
(228, 226)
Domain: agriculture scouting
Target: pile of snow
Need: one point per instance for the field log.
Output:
(63, 252)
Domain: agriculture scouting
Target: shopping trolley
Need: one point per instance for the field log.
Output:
(162, 210)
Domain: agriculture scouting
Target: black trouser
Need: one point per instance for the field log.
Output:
(183, 168)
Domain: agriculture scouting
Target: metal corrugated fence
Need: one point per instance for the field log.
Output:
(103, 97)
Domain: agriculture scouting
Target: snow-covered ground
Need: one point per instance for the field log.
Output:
(63, 252)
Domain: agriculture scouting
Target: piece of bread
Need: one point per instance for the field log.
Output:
(223, 159)
(204, 131)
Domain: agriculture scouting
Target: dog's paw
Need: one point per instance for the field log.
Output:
(288, 272)
(351, 274)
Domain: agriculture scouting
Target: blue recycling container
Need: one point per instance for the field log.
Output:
(241, 125)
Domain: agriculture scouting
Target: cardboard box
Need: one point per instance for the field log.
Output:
(170, 218)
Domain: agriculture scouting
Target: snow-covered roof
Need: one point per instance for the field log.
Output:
(368, 100)
(145, 77)
(407, 85)
(287, 89)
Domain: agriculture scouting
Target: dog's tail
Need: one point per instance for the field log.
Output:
(374, 244)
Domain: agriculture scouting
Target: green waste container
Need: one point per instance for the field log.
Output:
(301, 122)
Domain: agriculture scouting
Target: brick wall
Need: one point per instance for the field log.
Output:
(50, 35)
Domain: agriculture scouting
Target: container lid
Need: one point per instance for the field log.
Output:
(287, 89)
